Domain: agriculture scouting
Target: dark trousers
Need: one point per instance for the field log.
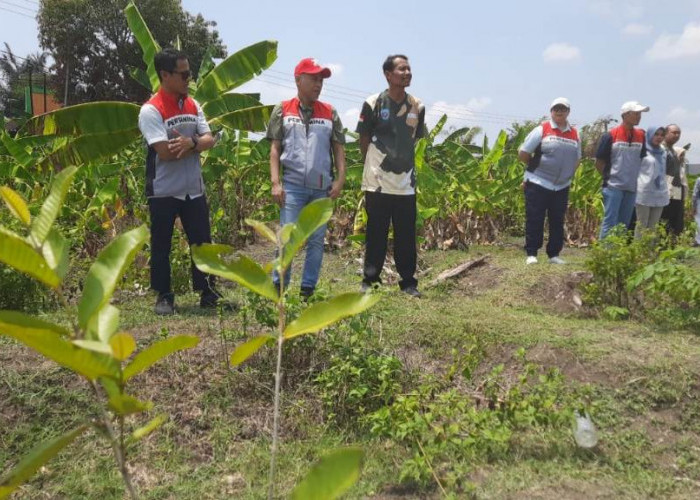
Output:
(400, 211)
(673, 216)
(541, 202)
(194, 215)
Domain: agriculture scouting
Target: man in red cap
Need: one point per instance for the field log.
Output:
(307, 141)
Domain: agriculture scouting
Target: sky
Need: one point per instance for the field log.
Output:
(483, 64)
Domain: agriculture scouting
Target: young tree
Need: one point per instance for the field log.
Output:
(95, 50)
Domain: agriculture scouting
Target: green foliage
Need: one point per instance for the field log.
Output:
(448, 432)
(332, 476)
(91, 349)
(96, 49)
(35, 459)
(145, 39)
(360, 377)
(613, 261)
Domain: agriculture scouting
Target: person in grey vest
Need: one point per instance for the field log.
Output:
(696, 210)
(176, 131)
(552, 153)
(652, 192)
(307, 140)
(618, 159)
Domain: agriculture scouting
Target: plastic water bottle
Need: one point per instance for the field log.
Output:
(585, 433)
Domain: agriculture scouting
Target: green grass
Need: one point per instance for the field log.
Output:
(639, 381)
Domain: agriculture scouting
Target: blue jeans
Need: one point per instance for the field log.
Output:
(619, 207)
(296, 198)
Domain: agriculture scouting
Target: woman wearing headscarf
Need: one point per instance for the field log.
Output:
(652, 191)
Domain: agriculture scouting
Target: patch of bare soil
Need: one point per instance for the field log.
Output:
(570, 489)
(561, 294)
(479, 279)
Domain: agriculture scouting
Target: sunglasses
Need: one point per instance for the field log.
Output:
(185, 75)
(560, 108)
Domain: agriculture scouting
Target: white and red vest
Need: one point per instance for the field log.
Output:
(556, 158)
(306, 148)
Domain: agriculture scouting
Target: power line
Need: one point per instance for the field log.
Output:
(18, 6)
(46, 70)
(15, 12)
(466, 111)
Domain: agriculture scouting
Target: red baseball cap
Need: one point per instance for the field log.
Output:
(311, 67)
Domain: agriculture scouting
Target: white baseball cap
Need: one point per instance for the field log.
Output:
(560, 101)
(633, 106)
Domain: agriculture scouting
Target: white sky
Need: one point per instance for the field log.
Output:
(484, 63)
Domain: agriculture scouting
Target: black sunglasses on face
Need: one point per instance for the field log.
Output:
(560, 108)
(185, 75)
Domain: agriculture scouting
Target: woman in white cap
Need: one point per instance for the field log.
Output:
(652, 191)
(552, 152)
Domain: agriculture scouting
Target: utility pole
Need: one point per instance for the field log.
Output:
(31, 93)
(65, 91)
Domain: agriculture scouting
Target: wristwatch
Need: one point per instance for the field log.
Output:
(195, 141)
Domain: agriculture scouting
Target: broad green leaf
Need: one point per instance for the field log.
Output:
(123, 344)
(16, 204)
(94, 345)
(140, 76)
(254, 119)
(92, 147)
(263, 230)
(237, 69)
(56, 252)
(332, 476)
(17, 253)
(206, 65)
(157, 351)
(107, 270)
(328, 312)
(313, 216)
(229, 102)
(247, 349)
(145, 39)
(286, 233)
(48, 340)
(49, 210)
(35, 459)
(123, 404)
(209, 258)
(87, 119)
(103, 324)
(16, 149)
(437, 129)
(144, 431)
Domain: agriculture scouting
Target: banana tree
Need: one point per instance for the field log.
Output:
(80, 134)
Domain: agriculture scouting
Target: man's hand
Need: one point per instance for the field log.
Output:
(335, 190)
(278, 193)
(180, 146)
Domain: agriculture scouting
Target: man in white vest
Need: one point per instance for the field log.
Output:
(307, 143)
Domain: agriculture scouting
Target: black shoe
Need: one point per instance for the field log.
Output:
(412, 291)
(165, 304)
(306, 292)
(211, 299)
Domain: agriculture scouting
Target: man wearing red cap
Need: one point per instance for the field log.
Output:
(307, 141)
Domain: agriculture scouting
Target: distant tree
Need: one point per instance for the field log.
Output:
(519, 130)
(14, 76)
(91, 42)
(591, 133)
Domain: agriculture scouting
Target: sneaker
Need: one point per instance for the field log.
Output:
(556, 260)
(412, 291)
(210, 299)
(305, 292)
(531, 259)
(165, 304)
